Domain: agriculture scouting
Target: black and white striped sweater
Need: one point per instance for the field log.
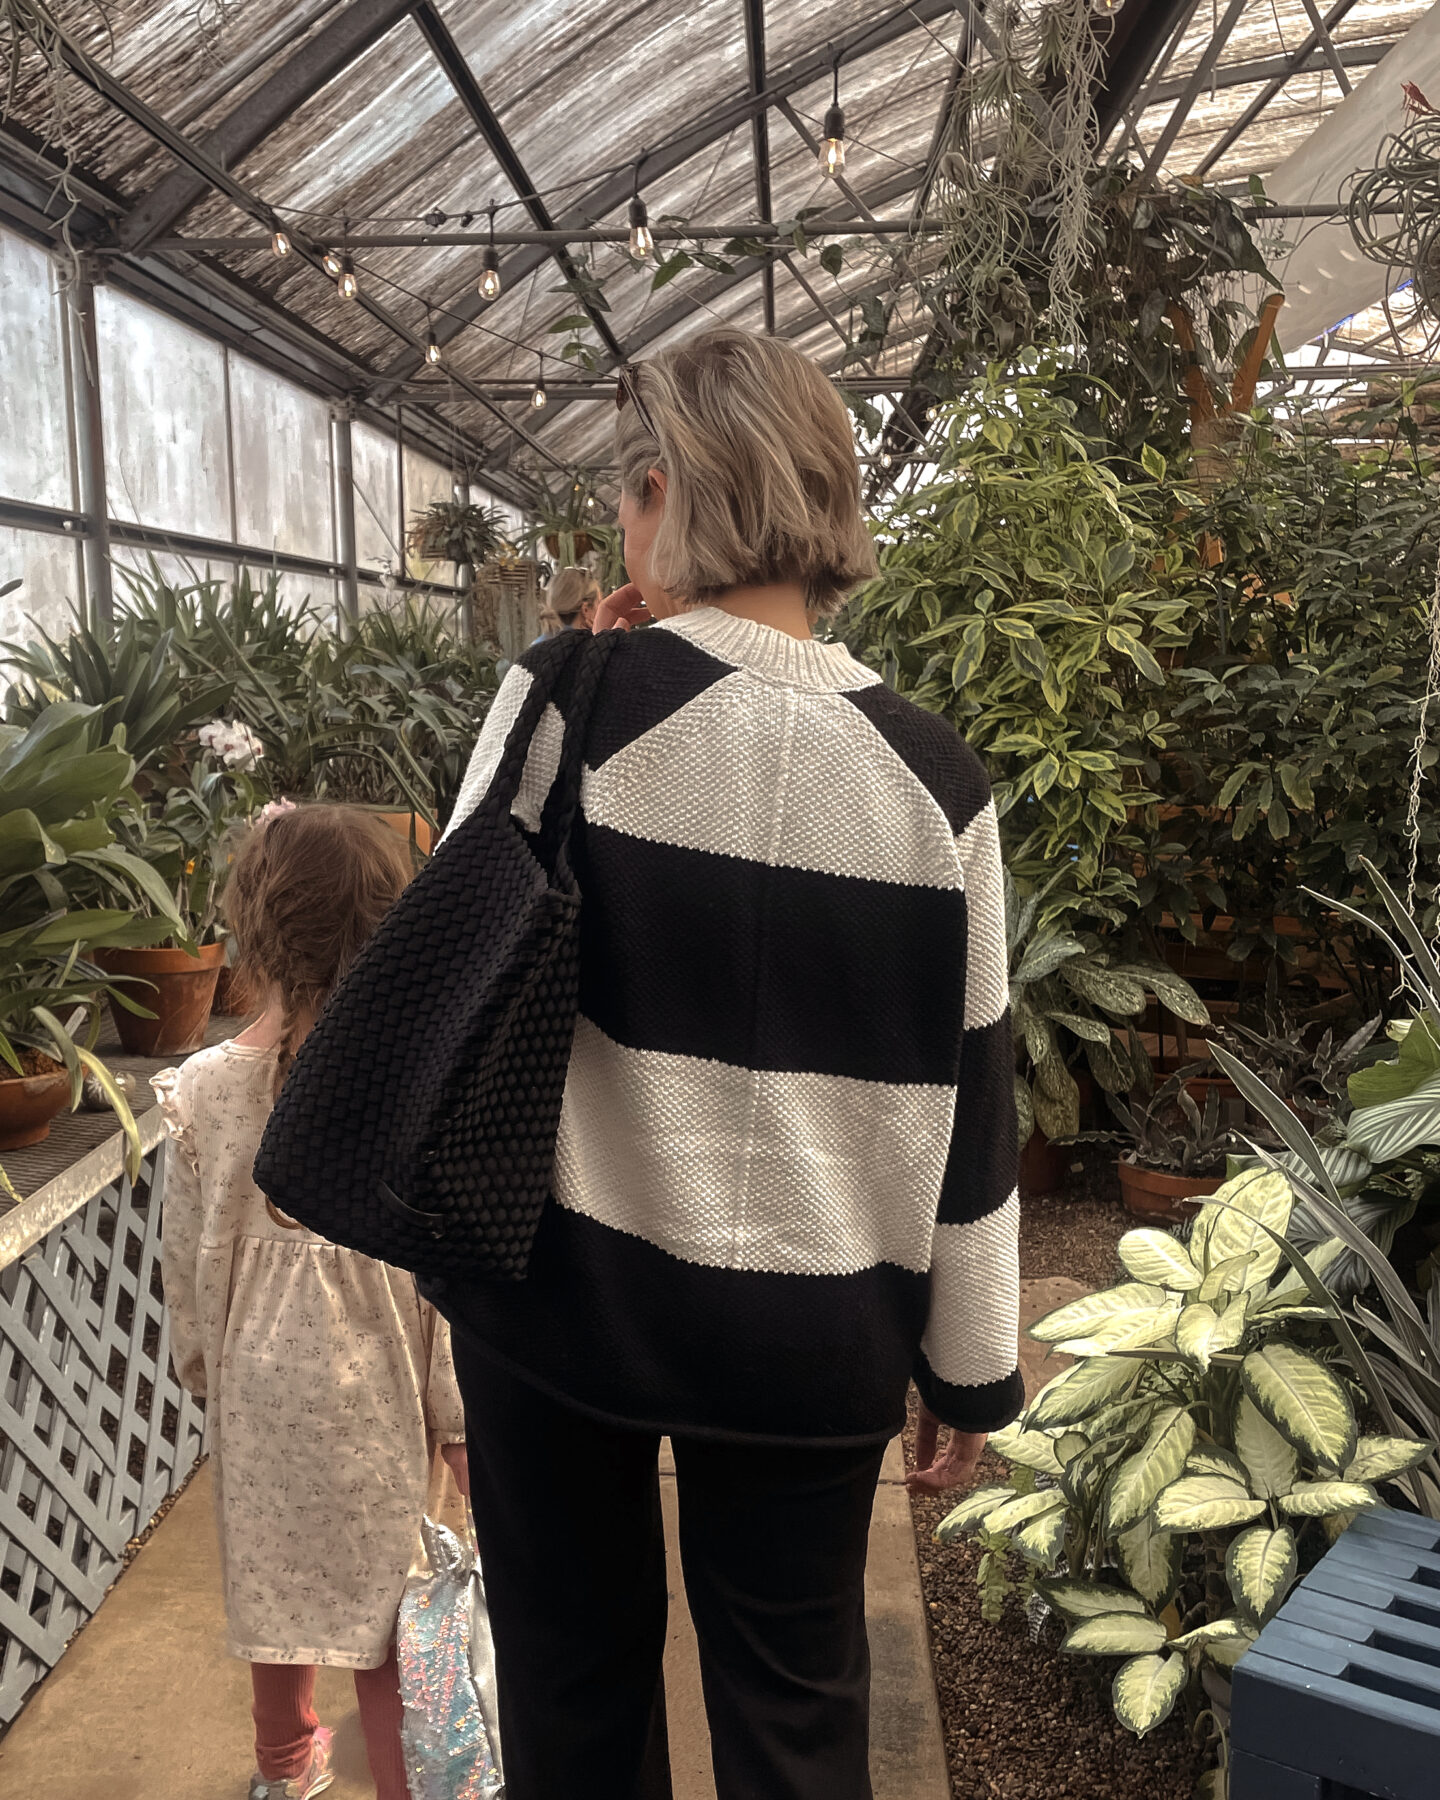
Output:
(785, 1176)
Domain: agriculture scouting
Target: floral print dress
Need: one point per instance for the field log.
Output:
(327, 1379)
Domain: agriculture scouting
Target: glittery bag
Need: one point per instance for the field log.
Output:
(451, 1732)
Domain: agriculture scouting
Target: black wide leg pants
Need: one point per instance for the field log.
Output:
(773, 1540)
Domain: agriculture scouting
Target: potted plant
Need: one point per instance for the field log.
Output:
(566, 522)
(61, 874)
(1178, 1149)
(456, 531)
(183, 842)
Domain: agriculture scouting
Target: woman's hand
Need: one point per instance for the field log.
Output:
(458, 1464)
(935, 1469)
(622, 609)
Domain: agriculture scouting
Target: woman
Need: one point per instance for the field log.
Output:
(573, 596)
(784, 1181)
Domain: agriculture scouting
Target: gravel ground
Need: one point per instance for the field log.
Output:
(1022, 1721)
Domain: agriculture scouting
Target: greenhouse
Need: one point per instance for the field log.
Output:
(720, 900)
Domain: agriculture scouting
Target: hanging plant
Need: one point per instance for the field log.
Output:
(456, 531)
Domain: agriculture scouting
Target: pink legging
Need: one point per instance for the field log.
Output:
(285, 1722)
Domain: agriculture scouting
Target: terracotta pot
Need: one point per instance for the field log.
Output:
(411, 826)
(181, 995)
(581, 540)
(1044, 1166)
(1152, 1194)
(27, 1105)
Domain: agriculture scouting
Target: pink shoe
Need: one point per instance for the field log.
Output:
(315, 1780)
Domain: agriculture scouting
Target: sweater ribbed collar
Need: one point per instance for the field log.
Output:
(773, 655)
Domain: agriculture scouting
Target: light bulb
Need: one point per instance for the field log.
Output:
(347, 285)
(490, 280)
(1106, 9)
(642, 244)
(590, 503)
(539, 399)
(832, 148)
(279, 242)
(885, 459)
(331, 263)
(432, 350)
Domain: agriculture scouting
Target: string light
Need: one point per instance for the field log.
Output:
(642, 244)
(832, 148)
(539, 399)
(347, 286)
(1106, 9)
(279, 242)
(432, 343)
(333, 264)
(490, 280)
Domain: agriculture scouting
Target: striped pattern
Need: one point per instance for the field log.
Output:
(786, 1163)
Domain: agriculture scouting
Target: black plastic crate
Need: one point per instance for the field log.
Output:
(1340, 1697)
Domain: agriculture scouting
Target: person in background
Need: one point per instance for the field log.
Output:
(784, 1183)
(327, 1379)
(549, 626)
(572, 596)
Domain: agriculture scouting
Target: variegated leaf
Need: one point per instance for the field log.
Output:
(1232, 1222)
(968, 1515)
(1088, 1599)
(1031, 1449)
(1069, 1445)
(1040, 1540)
(1271, 1461)
(1150, 1561)
(1380, 1458)
(1291, 1290)
(1145, 1690)
(1260, 1566)
(1026, 1506)
(1205, 1503)
(1200, 1331)
(1226, 1652)
(1077, 1393)
(1133, 1330)
(1115, 1634)
(1394, 1127)
(1157, 1462)
(1157, 1258)
(1086, 1316)
(1303, 1400)
(1210, 1459)
(1314, 1499)
(1216, 1631)
(1226, 1277)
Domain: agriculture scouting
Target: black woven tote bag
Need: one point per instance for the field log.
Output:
(418, 1122)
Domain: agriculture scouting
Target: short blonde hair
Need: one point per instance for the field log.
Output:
(762, 483)
(568, 592)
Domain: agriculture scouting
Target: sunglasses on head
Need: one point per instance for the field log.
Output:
(627, 387)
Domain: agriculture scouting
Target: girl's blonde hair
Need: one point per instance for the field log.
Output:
(568, 592)
(306, 889)
(762, 483)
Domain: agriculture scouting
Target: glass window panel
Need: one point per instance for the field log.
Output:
(162, 392)
(46, 565)
(281, 437)
(35, 462)
(377, 498)
(425, 482)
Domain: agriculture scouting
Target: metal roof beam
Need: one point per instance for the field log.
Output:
(760, 140)
(363, 23)
(448, 54)
(615, 190)
(1199, 75)
(1247, 74)
(1272, 87)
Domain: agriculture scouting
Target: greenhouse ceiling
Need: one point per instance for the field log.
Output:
(192, 131)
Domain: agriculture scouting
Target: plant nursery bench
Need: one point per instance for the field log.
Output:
(1340, 1697)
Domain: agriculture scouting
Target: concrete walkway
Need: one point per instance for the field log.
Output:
(146, 1705)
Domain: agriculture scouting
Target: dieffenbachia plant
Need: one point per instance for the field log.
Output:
(1202, 1449)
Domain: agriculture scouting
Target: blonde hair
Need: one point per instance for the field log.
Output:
(568, 592)
(762, 483)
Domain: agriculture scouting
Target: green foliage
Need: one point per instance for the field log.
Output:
(1189, 1476)
(457, 531)
(1024, 592)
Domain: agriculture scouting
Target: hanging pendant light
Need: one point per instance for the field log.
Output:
(832, 145)
(347, 286)
(1105, 9)
(432, 343)
(539, 399)
(279, 242)
(642, 244)
(490, 279)
(333, 264)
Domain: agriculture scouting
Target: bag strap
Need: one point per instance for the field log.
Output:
(510, 770)
(586, 672)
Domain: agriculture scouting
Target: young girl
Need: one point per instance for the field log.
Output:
(328, 1380)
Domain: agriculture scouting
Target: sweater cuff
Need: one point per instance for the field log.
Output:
(987, 1406)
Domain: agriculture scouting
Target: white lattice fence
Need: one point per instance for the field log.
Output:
(95, 1432)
